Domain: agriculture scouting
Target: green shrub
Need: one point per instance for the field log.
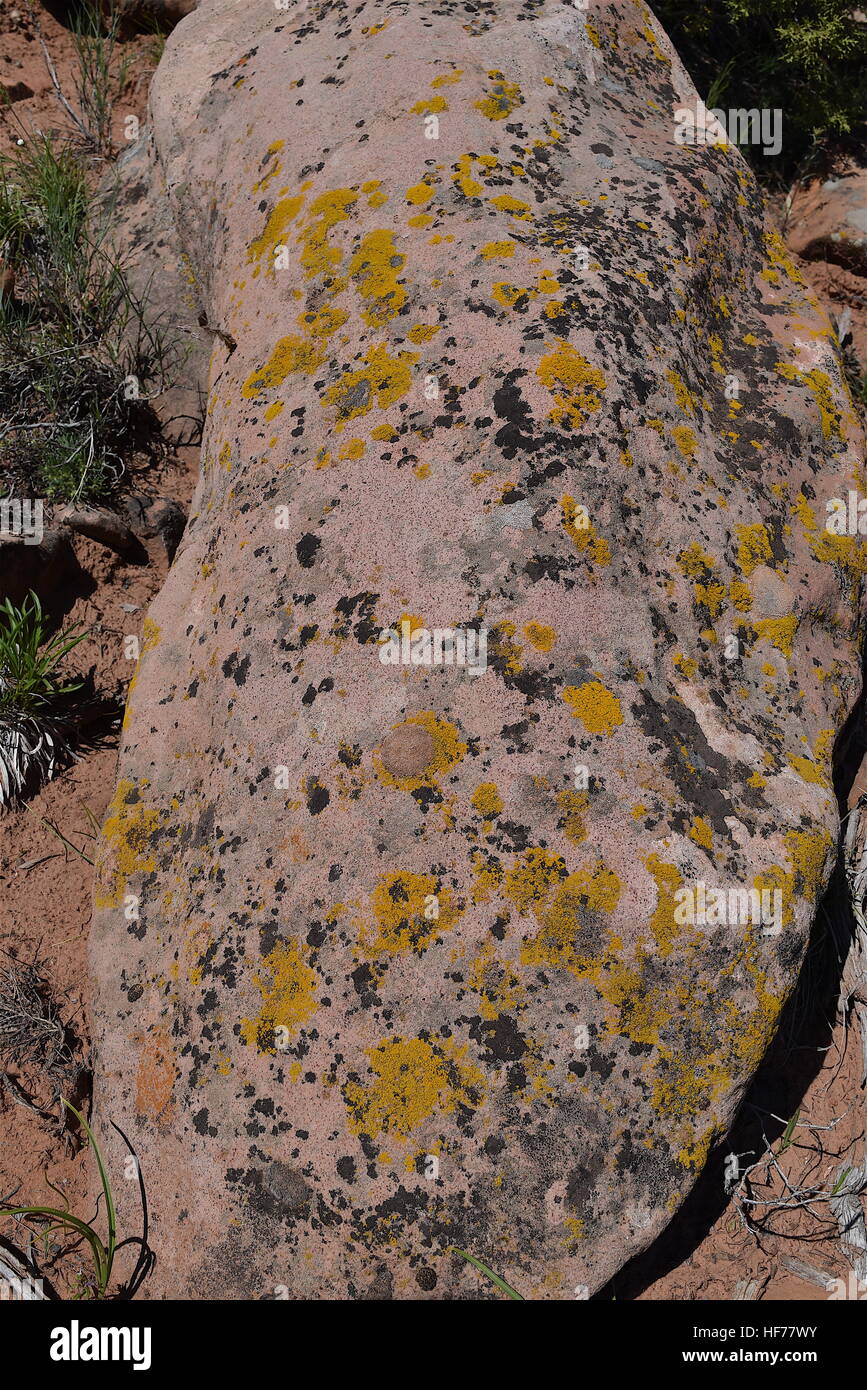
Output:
(29, 659)
(806, 57)
(32, 740)
(77, 357)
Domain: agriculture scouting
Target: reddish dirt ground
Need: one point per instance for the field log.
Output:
(45, 887)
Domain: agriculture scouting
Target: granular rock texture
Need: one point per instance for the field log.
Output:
(391, 956)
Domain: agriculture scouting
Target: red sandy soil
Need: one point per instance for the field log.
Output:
(45, 888)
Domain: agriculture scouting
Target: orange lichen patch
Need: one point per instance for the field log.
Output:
(448, 79)
(503, 648)
(150, 639)
(687, 665)
(423, 332)
(598, 710)
(740, 596)
(155, 1076)
(384, 433)
(806, 514)
(809, 853)
(412, 1079)
(652, 40)
(682, 1091)
(504, 202)
(701, 833)
(291, 354)
(499, 988)
(375, 268)
(420, 193)
(448, 750)
(376, 198)
(846, 553)
(506, 294)
(682, 393)
(574, 383)
(709, 592)
(807, 770)
(382, 382)
(540, 636)
(128, 833)
(502, 99)
(271, 173)
(834, 418)
(463, 177)
(488, 874)
(410, 912)
(685, 440)
(287, 986)
(279, 219)
(582, 533)
(778, 256)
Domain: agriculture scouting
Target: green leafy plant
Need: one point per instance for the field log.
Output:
(32, 738)
(786, 1140)
(840, 1183)
(29, 658)
(102, 1252)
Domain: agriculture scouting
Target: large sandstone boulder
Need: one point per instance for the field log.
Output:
(392, 958)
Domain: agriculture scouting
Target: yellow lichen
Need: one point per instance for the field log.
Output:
(502, 99)
(486, 800)
(574, 383)
(583, 534)
(598, 710)
(413, 1079)
(287, 986)
(410, 912)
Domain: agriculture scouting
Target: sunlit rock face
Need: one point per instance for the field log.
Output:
(474, 798)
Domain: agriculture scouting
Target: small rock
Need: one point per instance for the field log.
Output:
(828, 220)
(156, 516)
(14, 90)
(408, 751)
(104, 526)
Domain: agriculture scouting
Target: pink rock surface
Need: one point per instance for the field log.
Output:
(355, 1008)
